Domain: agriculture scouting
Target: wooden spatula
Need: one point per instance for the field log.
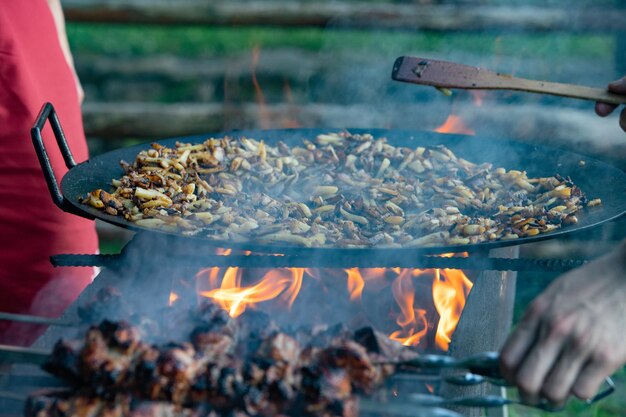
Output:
(442, 74)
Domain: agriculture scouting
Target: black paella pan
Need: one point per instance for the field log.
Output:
(597, 179)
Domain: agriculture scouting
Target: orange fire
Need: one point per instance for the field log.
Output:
(173, 298)
(412, 321)
(235, 298)
(291, 121)
(454, 124)
(478, 96)
(264, 117)
(450, 289)
(356, 283)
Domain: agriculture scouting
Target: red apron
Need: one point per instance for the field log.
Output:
(33, 70)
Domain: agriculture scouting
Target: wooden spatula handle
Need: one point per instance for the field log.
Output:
(445, 74)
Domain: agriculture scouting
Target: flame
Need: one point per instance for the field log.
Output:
(297, 275)
(412, 321)
(454, 124)
(173, 298)
(264, 118)
(478, 97)
(450, 289)
(287, 91)
(289, 118)
(235, 298)
(213, 274)
(291, 122)
(356, 283)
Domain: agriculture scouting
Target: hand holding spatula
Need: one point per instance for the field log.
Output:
(604, 109)
(445, 75)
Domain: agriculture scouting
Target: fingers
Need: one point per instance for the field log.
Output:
(618, 86)
(604, 109)
(572, 336)
(622, 120)
(520, 341)
(545, 354)
(593, 374)
(515, 349)
(564, 374)
(540, 359)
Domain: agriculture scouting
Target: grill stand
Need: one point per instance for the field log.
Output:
(484, 326)
(144, 276)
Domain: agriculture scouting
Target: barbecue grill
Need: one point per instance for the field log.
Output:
(487, 315)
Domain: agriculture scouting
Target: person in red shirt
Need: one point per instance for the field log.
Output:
(36, 67)
(573, 335)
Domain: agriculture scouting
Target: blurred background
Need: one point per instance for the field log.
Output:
(157, 68)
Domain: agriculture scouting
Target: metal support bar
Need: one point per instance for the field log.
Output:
(27, 318)
(484, 324)
(16, 354)
(390, 261)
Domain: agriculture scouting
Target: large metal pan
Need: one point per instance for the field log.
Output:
(597, 179)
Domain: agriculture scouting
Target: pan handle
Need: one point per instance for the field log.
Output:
(47, 113)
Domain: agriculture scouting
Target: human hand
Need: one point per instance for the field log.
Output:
(573, 335)
(604, 109)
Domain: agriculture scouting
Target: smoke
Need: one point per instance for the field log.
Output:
(353, 77)
(357, 67)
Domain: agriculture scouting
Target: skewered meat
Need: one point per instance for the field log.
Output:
(113, 370)
(107, 304)
(339, 190)
(65, 404)
(353, 358)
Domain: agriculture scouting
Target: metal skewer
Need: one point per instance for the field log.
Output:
(485, 364)
(491, 401)
(459, 379)
(7, 395)
(403, 409)
(16, 354)
(16, 377)
(26, 318)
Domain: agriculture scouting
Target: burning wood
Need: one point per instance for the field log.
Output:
(338, 190)
(243, 366)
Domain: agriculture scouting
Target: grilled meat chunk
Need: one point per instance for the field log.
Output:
(115, 373)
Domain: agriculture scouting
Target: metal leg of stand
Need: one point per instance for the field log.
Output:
(484, 325)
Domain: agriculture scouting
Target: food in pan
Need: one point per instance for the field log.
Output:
(339, 190)
(243, 366)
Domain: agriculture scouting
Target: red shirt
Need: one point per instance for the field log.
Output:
(33, 70)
